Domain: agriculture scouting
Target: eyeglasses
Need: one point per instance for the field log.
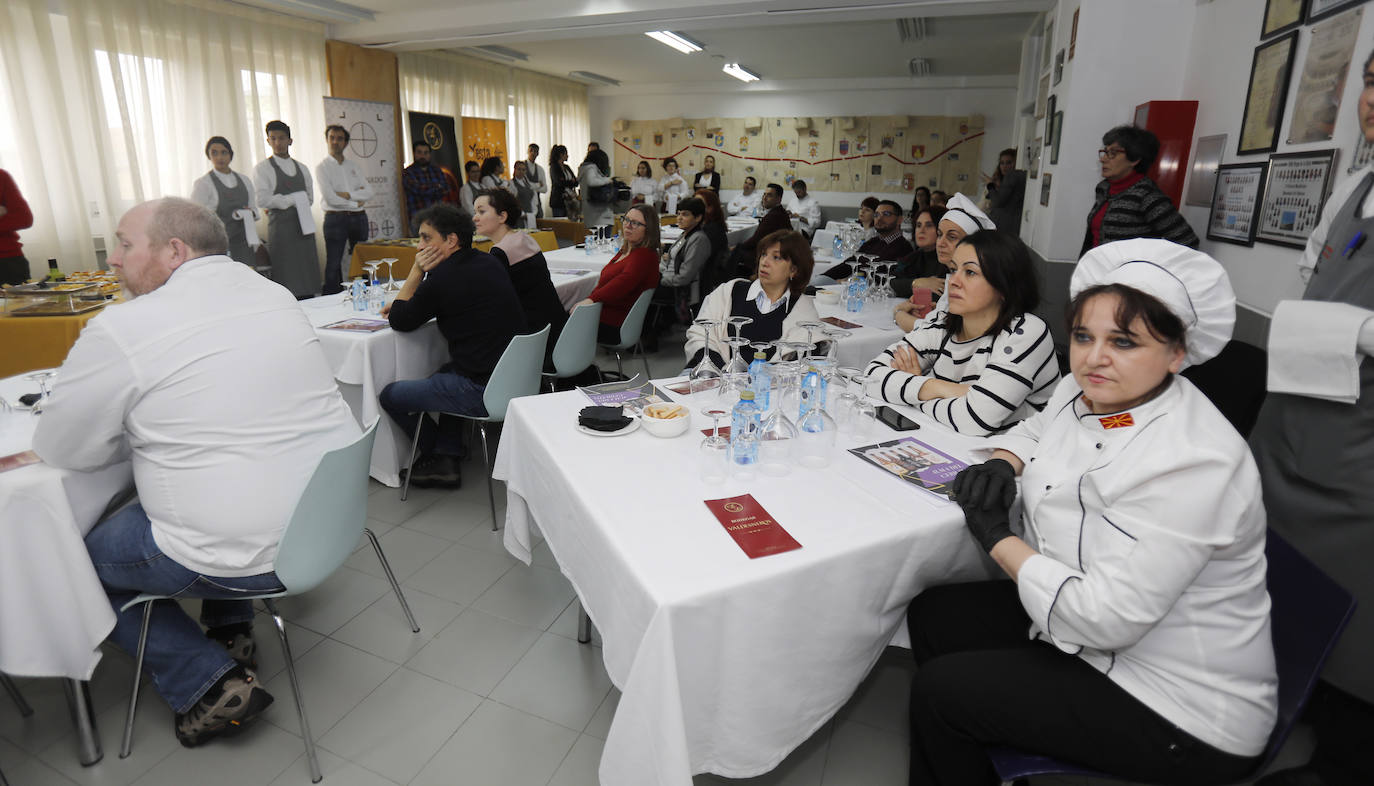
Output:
(631, 223)
(1110, 152)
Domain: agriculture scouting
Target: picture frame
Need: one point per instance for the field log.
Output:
(1236, 203)
(1047, 43)
(1058, 66)
(1321, 82)
(1321, 9)
(1058, 133)
(1033, 170)
(1280, 16)
(1073, 36)
(1266, 95)
(1296, 187)
(1041, 95)
(1202, 178)
(1045, 189)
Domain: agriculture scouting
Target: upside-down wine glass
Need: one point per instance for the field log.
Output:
(713, 456)
(705, 374)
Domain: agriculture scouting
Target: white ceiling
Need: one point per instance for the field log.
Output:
(778, 39)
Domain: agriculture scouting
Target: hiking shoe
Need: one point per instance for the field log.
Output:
(436, 470)
(242, 648)
(238, 704)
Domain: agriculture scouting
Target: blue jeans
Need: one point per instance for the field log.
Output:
(442, 391)
(181, 662)
(340, 231)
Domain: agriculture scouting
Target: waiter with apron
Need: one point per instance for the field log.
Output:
(285, 191)
(1314, 445)
(230, 196)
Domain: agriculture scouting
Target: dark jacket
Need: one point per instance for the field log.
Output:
(1140, 211)
(885, 251)
(917, 264)
(1005, 202)
(538, 298)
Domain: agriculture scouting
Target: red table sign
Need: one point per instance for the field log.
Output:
(750, 525)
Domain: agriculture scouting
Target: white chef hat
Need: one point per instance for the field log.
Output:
(961, 210)
(1189, 283)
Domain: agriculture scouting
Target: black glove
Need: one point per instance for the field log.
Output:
(988, 527)
(986, 486)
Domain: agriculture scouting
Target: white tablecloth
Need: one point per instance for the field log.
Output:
(574, 287)
(53, 612)
(725, 663)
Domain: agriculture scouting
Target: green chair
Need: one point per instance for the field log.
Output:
(516, 374)
(576, 347)
(322, 533)
(630, 331)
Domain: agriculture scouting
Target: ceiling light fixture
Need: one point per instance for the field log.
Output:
(740, 72)
(592, 76)
(677, 41)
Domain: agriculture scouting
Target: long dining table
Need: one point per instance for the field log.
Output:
(725, 663)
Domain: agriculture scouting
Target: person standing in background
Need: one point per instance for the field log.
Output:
(472, 174)
(708, 177)
(230, 196)
(672, 186)
(1127, 204)
(537, 178)
(14, 216)
(424, 184)
(562, 182)
(1007, 192)
(344, 191)
(284, 190)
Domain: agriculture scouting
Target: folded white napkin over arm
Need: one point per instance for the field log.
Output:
(250, 227)
(1315, 349)
(303, 212)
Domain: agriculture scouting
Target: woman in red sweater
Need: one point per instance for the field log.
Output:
(632, 271)
(14, 216)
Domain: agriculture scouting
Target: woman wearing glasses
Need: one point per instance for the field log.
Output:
(632, 271)
(1129, 204)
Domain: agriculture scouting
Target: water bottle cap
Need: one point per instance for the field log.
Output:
(759, 355)
(746, 395)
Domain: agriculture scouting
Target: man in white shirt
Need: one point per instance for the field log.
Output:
(283, 188)
(212, 383)
(344, 191)
(804, 207)
(747, 202)
(467, 195)
(538, 178)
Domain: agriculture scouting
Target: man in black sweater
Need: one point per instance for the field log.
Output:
(471, 296)
(889, 245)
(744, 258)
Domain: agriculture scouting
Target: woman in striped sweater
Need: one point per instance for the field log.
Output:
(986, 364)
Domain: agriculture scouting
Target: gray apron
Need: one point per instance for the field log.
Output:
(1316, 458)
(295, 264)
(231, 199)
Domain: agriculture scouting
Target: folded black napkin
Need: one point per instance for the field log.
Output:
(602, 418)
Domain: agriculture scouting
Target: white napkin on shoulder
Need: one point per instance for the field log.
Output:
(1313, 349)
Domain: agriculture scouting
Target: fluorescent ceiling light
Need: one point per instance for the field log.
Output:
(740, 72)
(592, 76)
(677, 41)
(332, 10)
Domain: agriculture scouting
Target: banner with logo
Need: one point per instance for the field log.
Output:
(372, 146)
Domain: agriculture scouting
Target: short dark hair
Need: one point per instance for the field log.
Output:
(277, 125)
(492, 165)
(533, 146)
(1162, 323)
(471, 164)
(870, 202)
(593, 146)
(419, 145)
(941, 193)
(693, 205)
(219, 140)
(774, 187)
(798, 183)
(1011, 151)
(599, 158)
(793, 247)
(895, 207)
(670, 160)
(503, 201)
(936, 212)
(1141, 145)
(347, 136)
(919, 189)
(646, 165)
(447, 219)
(1368, 60)
(1007, 266)
(750, 179)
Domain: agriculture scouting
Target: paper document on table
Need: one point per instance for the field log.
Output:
(750, 525)
(303, 212)
(915, 462)
(558, 271)
(360, 325)
(17, 460)
(637, 390)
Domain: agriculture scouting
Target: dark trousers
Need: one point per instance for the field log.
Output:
(14, 270)
(1344, 727)
(442, 391)
(981, 682)
(341, 232)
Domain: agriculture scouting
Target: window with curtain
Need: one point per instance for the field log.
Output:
(107, 103)
(549, 111)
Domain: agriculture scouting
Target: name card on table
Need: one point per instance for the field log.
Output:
(750, 525)
(17, 460)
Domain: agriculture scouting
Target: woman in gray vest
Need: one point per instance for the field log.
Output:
(230, 196)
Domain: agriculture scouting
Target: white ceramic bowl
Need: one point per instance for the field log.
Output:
(827, 297)
(666, 427)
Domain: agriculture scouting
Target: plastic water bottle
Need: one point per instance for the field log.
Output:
(589, 242)
(376, 298)
(838, 244)
(756, 211)
(358, 293)
(760, 380)
(812, 393)
(744, 433)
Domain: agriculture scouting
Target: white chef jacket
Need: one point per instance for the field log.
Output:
(674, 184)
(645, 187)
(808, 209)
(265, 183)
(204, 193)
(745, 204)
(217, 388)
(346, 177)
(1151, 532)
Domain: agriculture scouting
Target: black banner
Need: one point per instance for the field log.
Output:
(440, 133)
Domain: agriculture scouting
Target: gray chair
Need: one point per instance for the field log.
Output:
(630, 332)
(24, 708)
(576, 347)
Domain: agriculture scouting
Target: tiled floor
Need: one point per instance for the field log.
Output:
(494, 691)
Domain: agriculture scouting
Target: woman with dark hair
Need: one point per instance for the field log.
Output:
(672, 186)
(493, 176)
(1128, 204)
(525, 191)
(562, 182)
(679, 274)
(230, 196)
(594, 173)
(713, 222)
(708, 177)
(643, 188)
(961, 219)
(988, 362)
(922, 268)
(920, 200)
(631, 272)
(866, 209)
(774, 298)
(1007, 192)
(1134, 636)
(498, 215)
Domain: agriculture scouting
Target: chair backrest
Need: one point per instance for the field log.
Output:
(516, 373)
(576, 347)
(1235, 381)
(546, 239)
(634, 321)
(329, 517)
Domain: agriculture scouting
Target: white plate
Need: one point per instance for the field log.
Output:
(633, 426)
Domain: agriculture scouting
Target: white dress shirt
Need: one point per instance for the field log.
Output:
(744, 204)
(645, 187)
(335, 176)
(674, 185)
(538, 174)
(265, 181)
(1150, 531)
(204, 193)
(808, 210)
(215, 385)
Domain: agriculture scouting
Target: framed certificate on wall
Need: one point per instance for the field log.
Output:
(1266, 95)
(1236, 203)
(1295, 188)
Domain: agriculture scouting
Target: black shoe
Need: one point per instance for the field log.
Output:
(436, 470)
(238, 703)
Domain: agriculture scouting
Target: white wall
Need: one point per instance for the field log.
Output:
(995, 99)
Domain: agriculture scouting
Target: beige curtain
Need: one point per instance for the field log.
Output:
(107, 103)
(549, 111)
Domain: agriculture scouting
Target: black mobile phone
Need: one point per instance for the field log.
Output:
(896, 419)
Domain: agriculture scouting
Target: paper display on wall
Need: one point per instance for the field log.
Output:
(1323, 78)
(372, 146)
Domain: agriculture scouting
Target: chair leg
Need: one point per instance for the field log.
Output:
(13, 690)
(315, 775)
(391, 577)
(584, 625)
(414, 446)
(486, 456)
(645, 357)
(618, 367)
(125, 747)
